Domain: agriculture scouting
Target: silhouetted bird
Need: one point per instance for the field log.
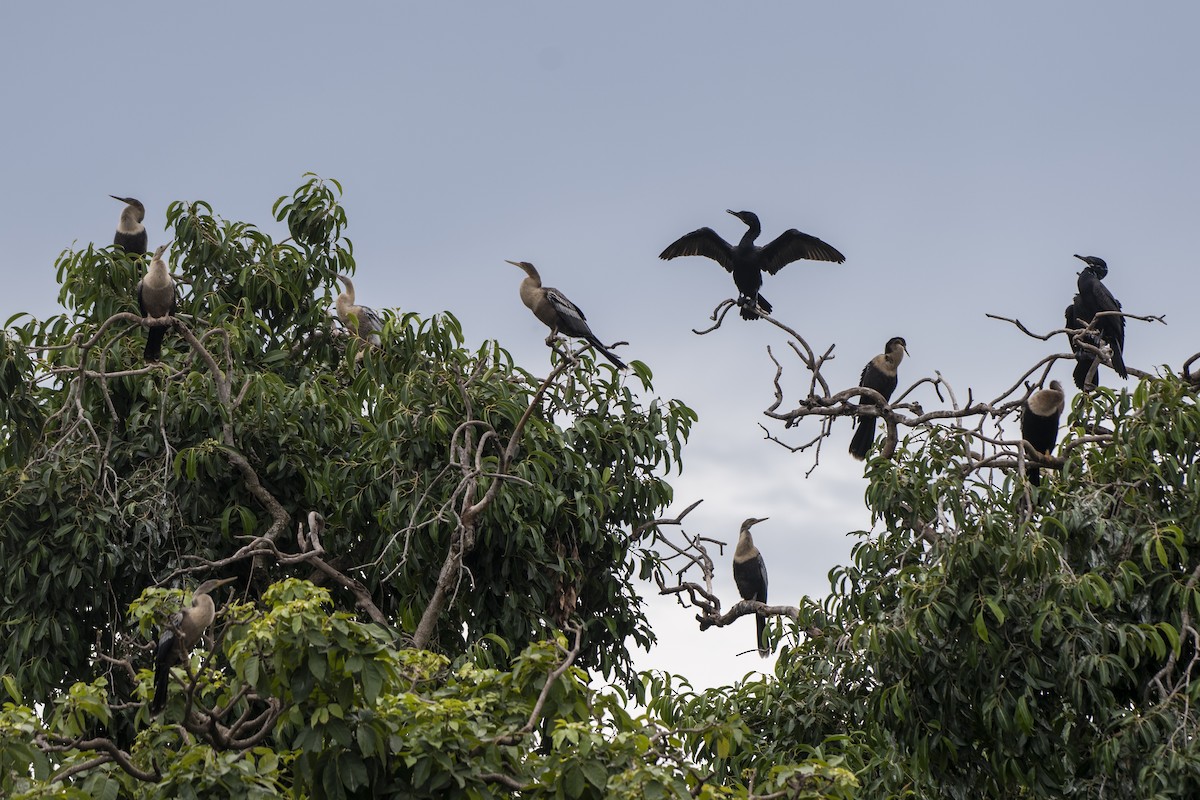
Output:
(131, 233)
(1095, 297)
(156, 298)
(747, 261)
(1039, 423)
(561, 315)
(879, 374)
(178, 640)
(1084, 358)
(362, 321)
(750, 575)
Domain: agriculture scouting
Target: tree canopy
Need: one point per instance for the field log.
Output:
(437, 556)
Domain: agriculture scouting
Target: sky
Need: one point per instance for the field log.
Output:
(958, 154)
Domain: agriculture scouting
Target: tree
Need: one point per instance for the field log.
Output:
(435, 548)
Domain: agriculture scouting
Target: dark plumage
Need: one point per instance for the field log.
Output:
(747, 261)
(156, 298)
(1093, 298)
(1039, 423)
(561, 315)
(131, 233)
(750, 575)
(879, 374)
(1084, 358)
(185, 630)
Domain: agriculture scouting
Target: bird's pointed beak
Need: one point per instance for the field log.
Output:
(122, 199)
(730, 211)
(514, 263)
(764, 519)
(1081, 258)
(224, 581)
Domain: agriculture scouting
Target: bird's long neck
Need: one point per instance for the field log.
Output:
(751, 233)
(745, 546)
(131, 220)
(157, 276)
(199, 617)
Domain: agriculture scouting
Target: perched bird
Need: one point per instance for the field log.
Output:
(181, 636)
(750, 575)
(1094, 297)
(1084, 358)
(156, 298)
(747, 261)
(561, 315)
(879, 374)
(1039, 423)
(131, 233)
(362, 321)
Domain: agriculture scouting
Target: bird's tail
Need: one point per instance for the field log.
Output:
(864, 436)
(763, 650)
(1083, 366)
(1118, 362)
(609, 354)
(748, 307)
(154, 339)
(1033, 475)
(162, 679)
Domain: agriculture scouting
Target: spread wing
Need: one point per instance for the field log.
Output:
(703, 242)
(792, 245)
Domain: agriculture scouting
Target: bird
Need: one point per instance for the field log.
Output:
(131, 233)
(1084, 358)
(180, 637)
(1094, 297)
(879, 374)
(362, 321)
(747, 261)
(156, 298)
(561, 315)
(1039, 423)
(750, 575)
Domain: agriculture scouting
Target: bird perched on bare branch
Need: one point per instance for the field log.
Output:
(1093, 298)
(1039, 423)
(879, 374)
(561, 315)
(156, 299)
(185, 629)
(747, 261)
(362, 321)
(750, 575)
(131, 233)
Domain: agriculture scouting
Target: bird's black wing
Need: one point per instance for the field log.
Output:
(703, 242)
(571, 319)
(792, 245)
(762, 569)
(875, 378)
(1099, 298)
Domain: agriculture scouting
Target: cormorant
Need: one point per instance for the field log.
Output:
(131, 233)
(362, 321)
(750, 575)
(1084, 359)
(1095, 297)
(879, 374)
(561, 315)
(1039, 423)
(156, 298)
(181, 636)
(747, 261)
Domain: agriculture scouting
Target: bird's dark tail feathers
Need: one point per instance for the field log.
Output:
(1083, 365)
(748, 307)
(1118, 362)
(763, 650)
(864, 436)
(162, 678)
(154, 339)
(604, 351)
(1033, 475)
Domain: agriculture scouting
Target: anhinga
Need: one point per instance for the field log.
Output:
(1039, 423)
(750, 575)
(1095, 297)
(131, 233)
(362, 321)
(879, 374)
(561, 315)
(747, 261)
(156, 298)
(181, 636)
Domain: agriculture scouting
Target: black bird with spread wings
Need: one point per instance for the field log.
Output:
(747, 261)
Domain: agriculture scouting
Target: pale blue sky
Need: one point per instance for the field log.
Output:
(957, 153)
